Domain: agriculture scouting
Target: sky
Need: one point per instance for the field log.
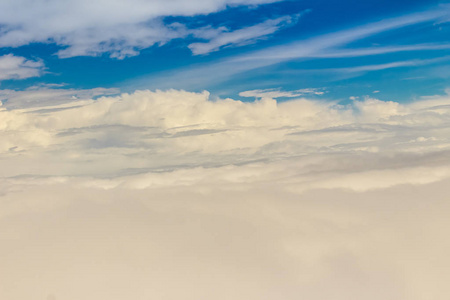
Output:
(224, 149)
(347, 48)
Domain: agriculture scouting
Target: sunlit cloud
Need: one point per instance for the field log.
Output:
(177, 129)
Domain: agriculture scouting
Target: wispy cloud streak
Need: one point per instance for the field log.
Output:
(341, 53)
(223, 37)
(223, 70)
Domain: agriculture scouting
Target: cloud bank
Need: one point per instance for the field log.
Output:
(172, 195)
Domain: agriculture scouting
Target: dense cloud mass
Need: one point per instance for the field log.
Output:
(118, 27)
(171, 195)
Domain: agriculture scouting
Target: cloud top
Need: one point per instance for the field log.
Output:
(178, 128)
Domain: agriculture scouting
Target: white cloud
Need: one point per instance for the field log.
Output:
(172, 195)
(118, 27)
(248, 35)
(17, 67)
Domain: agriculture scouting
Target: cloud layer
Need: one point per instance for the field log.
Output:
(172, 195)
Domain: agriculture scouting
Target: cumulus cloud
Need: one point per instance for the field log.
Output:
(172, 195)
(120, 28)
(180, 129)
(18, 67)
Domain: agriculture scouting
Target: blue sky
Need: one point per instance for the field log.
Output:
(229, 47)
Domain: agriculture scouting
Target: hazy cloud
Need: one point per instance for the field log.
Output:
(339, 53)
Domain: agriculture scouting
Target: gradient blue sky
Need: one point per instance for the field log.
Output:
(329, 49)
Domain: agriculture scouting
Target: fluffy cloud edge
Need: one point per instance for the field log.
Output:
(173, 130)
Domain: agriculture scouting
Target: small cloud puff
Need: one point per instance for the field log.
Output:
(18, 67)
